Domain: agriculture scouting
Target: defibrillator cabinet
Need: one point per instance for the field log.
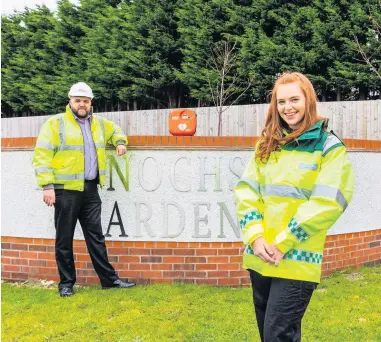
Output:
(182, 122)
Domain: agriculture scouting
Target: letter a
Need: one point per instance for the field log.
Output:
(116, 223)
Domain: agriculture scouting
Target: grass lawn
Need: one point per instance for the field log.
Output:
(346, 307)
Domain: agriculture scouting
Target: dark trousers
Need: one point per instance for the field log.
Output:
(84, 206)
(279, 306)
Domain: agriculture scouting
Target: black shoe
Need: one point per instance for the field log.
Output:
(119, 284)
(66, 291)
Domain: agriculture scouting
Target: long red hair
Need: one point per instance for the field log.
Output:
(272, 137)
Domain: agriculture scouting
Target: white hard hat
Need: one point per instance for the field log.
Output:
(81, 89)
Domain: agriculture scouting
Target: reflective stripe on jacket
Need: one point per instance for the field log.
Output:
(59, 154)
(292, 200)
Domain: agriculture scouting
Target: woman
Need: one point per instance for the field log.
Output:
(297, 184)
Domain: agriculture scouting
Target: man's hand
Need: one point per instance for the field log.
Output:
(262, 249)
(120, 150)
(277, 254)
(49, 197)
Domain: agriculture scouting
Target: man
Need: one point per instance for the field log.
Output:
(70, 161)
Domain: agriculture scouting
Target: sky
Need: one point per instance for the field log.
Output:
(8, 6)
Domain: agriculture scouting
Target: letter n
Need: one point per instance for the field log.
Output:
(114, 164)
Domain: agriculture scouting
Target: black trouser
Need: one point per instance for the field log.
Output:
(84, 206)
(279, 306)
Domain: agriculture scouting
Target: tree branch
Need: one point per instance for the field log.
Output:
(365, 57)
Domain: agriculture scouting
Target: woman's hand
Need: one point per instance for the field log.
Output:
(263, 250)
(277, 254)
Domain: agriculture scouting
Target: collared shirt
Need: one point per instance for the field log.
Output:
(90, 152)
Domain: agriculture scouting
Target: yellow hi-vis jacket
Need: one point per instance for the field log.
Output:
(292, 200)
(59, 154)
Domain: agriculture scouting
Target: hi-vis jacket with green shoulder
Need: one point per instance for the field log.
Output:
(292, 200)
(59, 154)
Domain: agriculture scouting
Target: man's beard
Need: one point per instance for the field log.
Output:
(80, 115)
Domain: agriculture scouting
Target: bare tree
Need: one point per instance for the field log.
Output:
(225, 85)
(371, 53)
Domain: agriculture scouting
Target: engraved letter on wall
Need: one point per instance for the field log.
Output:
(179, 213)
(144, 220)
(172, 176)
(198, 219)
(150, 180)
(203, 173)
(113, 164)
(116, 223)
(233, 224)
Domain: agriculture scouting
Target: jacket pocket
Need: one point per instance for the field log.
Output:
(63, 163)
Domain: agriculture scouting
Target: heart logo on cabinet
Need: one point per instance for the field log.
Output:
(182, 126)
